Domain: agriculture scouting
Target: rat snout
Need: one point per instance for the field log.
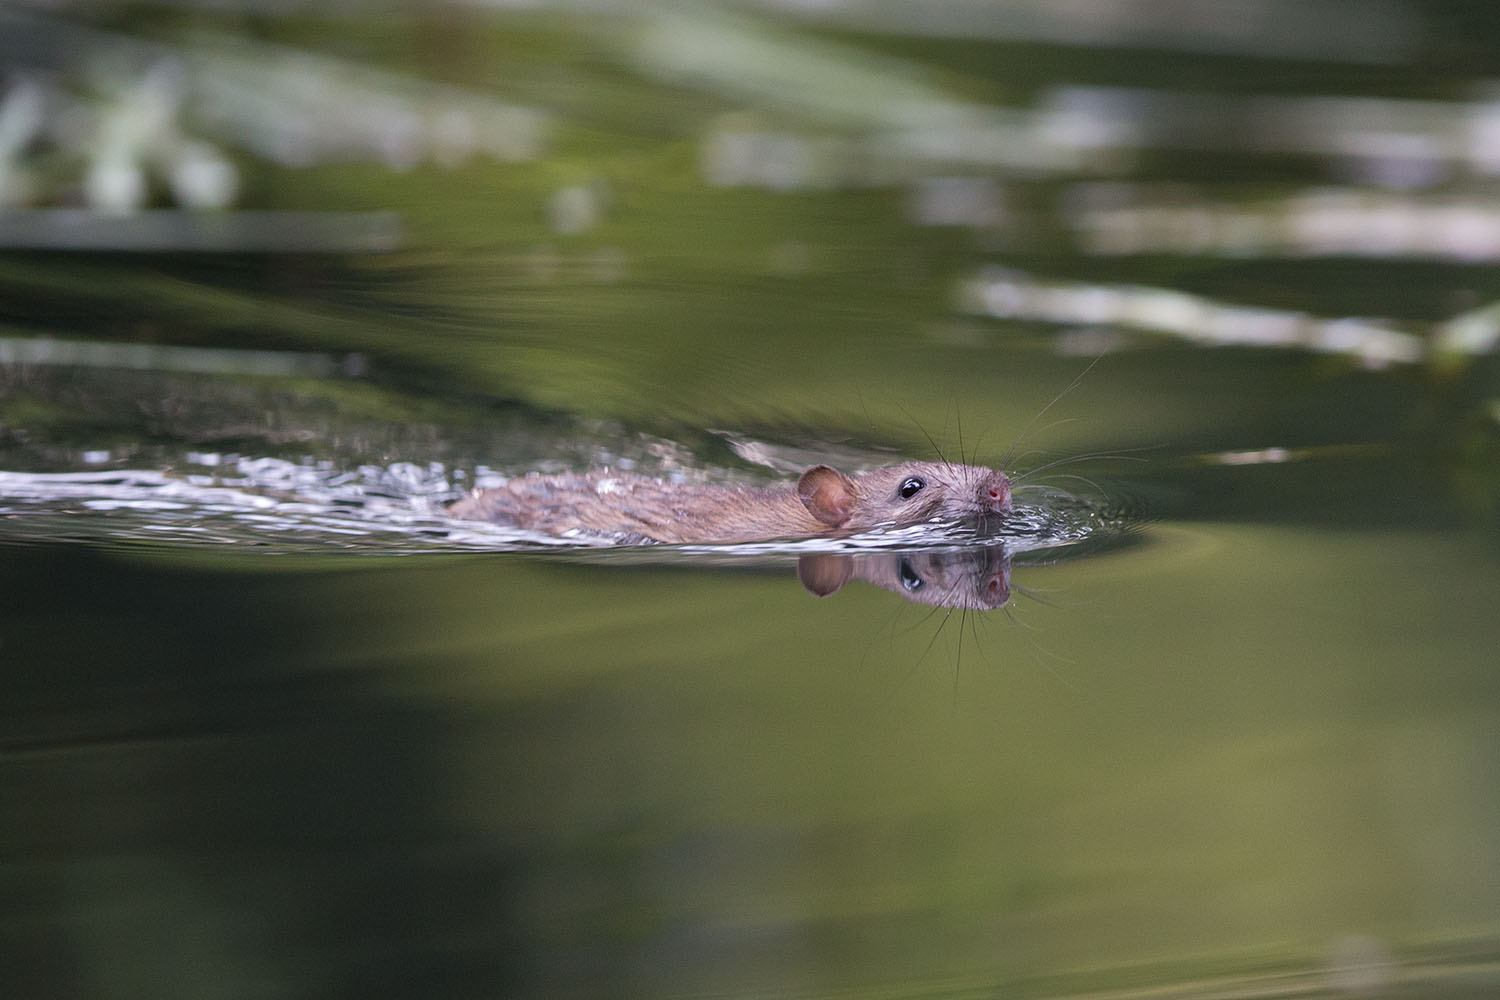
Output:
(994, 493)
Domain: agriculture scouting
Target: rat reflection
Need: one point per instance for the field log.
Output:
(976, 579)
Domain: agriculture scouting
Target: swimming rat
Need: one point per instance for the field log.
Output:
(822, 503)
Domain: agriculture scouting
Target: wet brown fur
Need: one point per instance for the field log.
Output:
(823, 502)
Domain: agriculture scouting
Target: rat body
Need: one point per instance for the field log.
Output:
(823, 502)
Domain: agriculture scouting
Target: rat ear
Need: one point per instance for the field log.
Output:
(827, 494)
(823, 574)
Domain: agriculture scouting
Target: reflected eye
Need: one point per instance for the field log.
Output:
(910, 488)
(909, 578)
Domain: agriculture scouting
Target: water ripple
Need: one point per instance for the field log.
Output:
(276, 505)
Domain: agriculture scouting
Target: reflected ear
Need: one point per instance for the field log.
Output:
(827, 494)
(824, 574)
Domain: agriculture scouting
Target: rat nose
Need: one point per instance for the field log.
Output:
(994, 493)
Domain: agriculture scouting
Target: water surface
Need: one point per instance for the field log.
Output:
(274, 725)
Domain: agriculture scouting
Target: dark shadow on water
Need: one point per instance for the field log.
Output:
(198, 798)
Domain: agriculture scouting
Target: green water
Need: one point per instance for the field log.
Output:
(1248, 748)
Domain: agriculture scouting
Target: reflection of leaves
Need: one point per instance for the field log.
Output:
(64, 411)
(683, 303)
(292, 107)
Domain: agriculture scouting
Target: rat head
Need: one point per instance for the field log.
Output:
(906, 494)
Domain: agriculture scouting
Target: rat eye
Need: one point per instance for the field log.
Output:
(909, 578)
(910, 488)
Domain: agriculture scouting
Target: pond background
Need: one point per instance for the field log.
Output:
(276, 282)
